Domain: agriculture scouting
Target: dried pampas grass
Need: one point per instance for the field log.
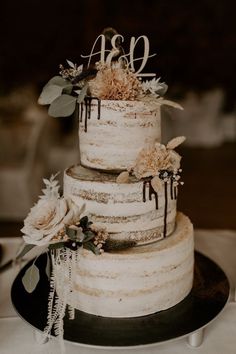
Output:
(115, 83)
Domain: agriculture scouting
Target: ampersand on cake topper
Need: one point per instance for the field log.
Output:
(117, 52)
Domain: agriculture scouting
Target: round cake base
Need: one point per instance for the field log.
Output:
(206, 300)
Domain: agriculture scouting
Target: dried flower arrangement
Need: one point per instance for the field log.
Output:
(115, 82)
(54, 221)
(110, 79)
(158, 162)
(108, 82)
(56, 226)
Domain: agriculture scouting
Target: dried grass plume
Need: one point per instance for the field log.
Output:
(115, 83)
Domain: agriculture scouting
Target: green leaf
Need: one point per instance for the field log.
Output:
(91, 247)
(49, 94)
(67, 89)
(115, 245)
(84, 222)
(31, 278)
(71, 233)
(80, 236)
(58, 81)
(82, 93)
(89, 235)
(54, 246)
(62, 106)
(24, 250)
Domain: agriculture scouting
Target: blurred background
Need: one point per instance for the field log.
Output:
(195, 44)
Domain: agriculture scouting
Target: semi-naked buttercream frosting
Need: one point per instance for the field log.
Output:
(118, 247)
(111, 133)
(137, 281)
(120, 207)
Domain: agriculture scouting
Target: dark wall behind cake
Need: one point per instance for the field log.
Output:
(195, 41)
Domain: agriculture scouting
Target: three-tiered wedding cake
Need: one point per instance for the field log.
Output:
(127, 181)
(158, 272)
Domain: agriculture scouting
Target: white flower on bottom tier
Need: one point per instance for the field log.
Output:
(47, 219)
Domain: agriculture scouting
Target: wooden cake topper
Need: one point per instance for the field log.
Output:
(107, 55)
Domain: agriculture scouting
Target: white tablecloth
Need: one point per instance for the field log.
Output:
(16, 336)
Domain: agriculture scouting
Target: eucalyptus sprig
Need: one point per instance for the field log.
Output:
(62, 93)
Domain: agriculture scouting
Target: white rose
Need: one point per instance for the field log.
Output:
(44, 221)
(73, 215)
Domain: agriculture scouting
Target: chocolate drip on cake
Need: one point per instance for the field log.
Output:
(167, 177)
(151, 191)
(80, 112)
(147, 182)
(99, 108)
(87, 104)
(165, 209)
(175, 192)
(171, 189)
(86, 115)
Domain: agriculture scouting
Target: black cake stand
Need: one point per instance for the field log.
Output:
(208, 297)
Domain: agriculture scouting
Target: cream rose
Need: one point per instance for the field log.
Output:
(47, 219)
(44, 221)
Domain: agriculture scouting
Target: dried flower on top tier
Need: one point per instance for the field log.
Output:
(154, 87)
(72, 72)
(115, 83)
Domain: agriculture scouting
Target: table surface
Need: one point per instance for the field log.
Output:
(220, 335)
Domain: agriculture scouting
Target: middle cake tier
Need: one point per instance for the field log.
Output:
(129, 211)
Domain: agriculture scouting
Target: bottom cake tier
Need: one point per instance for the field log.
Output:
(137, 281)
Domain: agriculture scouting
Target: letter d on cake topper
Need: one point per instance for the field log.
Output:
(144, 58)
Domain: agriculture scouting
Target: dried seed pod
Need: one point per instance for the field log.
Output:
(156, 183)
(123, 177)
(173, 143)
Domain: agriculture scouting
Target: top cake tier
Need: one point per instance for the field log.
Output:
(116, 103)
(112, 132)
